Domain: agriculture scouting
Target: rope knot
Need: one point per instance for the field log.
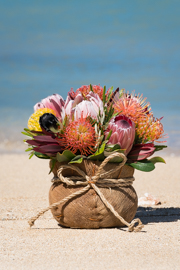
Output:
(90, 180)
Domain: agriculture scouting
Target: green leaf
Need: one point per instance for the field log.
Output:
(110, 93)
(109, 135)
(65, 120)
(53, 164)
(99, 154)
(27, 129)
(77, 159)
(91, 89)
(104, 95)
(159, 147)
(67, 155)
(29, 149)
(100, 139)
(112, 147)
(40, 155)
(121, 92)
(144, 165)
(31, 155)
(115, 159)
(27, 134)
(157, 159)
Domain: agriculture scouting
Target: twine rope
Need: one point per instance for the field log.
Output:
(98, 180)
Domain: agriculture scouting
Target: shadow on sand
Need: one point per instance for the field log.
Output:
(154, 215)
(146, 215)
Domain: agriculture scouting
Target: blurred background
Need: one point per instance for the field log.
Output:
(52, 46)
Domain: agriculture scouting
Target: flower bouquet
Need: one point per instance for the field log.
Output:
(94, 140)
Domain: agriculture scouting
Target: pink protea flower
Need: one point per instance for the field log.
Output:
(79, 136)
(54, 102)
(123, 132)
(141, 151)
(91, 105)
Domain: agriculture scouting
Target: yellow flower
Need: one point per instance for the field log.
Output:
(150, 129)
(33, 122)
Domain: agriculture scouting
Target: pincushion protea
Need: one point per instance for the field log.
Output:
(149, 129)
(79, 136)
(132, 106)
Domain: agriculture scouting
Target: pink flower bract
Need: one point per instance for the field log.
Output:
(141, 151)
(54, 102)
(91, 105)
(123, 132)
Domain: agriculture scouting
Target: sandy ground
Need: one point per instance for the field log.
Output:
(24, 186)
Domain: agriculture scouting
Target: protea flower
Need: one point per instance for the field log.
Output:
(141, 151)
(79, 136)
(132, 106)
(123, 132)
(54, 102)
(150, 129)
(91, 105)
(86, 89)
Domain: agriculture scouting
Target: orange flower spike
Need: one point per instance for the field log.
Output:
(150, 129)
(132, 106)
(79, 136)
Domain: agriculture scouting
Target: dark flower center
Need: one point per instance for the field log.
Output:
(124, 124)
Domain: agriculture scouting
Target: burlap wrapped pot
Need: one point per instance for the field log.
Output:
(87, 210)
(93, 194)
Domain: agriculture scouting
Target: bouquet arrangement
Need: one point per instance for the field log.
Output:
(92, 124)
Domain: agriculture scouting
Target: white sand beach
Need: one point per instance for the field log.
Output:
(24, 186)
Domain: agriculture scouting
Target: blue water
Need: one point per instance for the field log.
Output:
(48, 47)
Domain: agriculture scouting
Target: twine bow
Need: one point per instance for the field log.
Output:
(98, 180)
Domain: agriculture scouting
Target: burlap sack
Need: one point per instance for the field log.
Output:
(88, 210)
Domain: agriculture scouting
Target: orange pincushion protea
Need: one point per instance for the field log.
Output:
(79, 136)
(149, 129)
(132, 106)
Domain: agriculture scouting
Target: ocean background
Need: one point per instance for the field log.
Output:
(50, 47)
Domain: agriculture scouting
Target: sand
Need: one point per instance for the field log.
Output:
(24, 186)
